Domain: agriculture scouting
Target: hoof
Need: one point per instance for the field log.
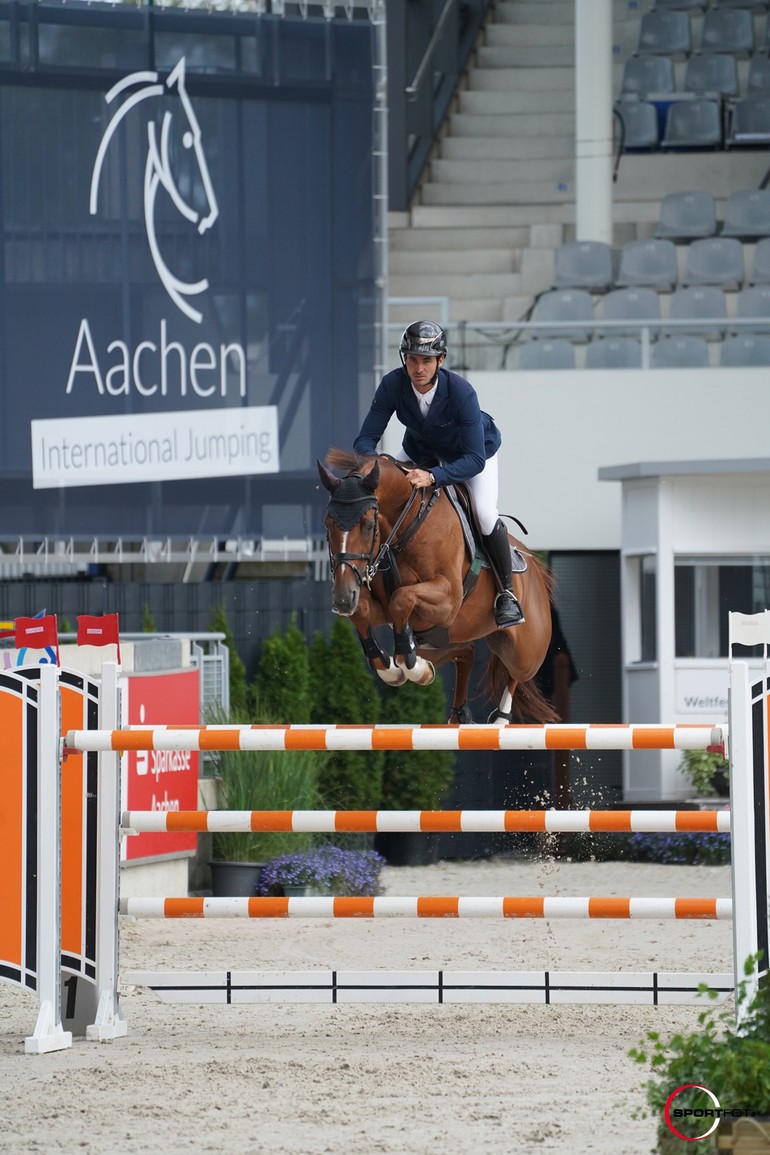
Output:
(422, 672)
(460, 717)
(393, 676)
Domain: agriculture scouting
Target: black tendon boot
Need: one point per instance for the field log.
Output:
(508, 612)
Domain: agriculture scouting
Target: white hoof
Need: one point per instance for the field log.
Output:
(423, 672)
(393, 676)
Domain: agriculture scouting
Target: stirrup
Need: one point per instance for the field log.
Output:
(507, 610)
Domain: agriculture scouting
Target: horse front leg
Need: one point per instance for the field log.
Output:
(430, 602)
(377, 659)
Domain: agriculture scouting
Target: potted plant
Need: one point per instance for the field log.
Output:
(259, 780)
(327, 870)
(718, 1063)
(707, 771)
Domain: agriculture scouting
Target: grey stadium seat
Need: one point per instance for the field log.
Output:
(614, 353)
(705, 303)
(758, 4)
(760, 269)
(693, 124)
(643, 75)
(715, 73)
(583, 265)
(715, 261)
(550, 354)
(638, 305)
(747, 214)
(663, 32)
(639, 121)
(744, 350)
(727, 29)
(753, 302)
(651, 263)
(562, 306)
(750, 122)
(687, 216)
(687, 5)
(758, 79)
(680, 353)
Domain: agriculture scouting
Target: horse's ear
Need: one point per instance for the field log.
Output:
(371, 479)
(328, 480)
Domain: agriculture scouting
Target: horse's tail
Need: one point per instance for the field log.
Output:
(529, 703)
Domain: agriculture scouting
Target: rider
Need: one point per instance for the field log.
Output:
(451, 436)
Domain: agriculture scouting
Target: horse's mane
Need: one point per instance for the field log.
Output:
(358, 462)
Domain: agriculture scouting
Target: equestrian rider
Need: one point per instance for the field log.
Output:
(452, 438)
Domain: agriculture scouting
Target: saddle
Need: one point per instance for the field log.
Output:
(459, 499)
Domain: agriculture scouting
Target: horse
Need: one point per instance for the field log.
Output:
(398, 558)
(179, 134)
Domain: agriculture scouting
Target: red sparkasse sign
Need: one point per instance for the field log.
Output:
(162, 779)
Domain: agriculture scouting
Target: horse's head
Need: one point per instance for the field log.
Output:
(351, 533)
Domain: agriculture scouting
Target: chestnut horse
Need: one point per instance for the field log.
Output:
(398, 558)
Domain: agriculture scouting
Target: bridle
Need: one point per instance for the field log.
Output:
(385, 558)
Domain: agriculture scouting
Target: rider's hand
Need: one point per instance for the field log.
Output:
(419, 478)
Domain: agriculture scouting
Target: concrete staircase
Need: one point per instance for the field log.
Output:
(498, 196)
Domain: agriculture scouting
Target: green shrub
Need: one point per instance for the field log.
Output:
(345, 693)
(281, 686)
(237, 682)
(415, 780)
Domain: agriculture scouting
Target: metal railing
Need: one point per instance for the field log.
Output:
(429, 43)
(67, 556)
(496, 345)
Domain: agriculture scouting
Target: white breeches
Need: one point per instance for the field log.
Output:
(483, 490)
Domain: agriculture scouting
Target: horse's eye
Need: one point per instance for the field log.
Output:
(187, 140)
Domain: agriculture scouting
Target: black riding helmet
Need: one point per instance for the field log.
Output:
(425, 338)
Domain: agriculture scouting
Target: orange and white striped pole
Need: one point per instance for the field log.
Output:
(554, 736)
(429, 906)
(416, 821)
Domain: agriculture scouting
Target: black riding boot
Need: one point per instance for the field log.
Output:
(508, 612)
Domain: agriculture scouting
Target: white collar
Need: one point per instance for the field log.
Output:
(425, 397)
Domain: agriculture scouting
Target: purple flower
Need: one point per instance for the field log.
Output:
(328, 869)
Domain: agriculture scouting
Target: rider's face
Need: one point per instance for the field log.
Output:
(422, 370)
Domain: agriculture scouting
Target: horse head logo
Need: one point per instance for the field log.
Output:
(178, 127)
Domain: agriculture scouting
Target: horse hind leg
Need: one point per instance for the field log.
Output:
(461, 713)
(502, 713)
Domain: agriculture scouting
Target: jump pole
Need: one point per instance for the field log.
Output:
(553, 736)
(417, 821)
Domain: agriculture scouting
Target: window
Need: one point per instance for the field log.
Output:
(706, 590)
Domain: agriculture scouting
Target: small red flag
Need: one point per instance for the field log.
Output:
(38, 633)
(99, 631)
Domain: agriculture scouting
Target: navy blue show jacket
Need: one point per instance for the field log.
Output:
(454, 441)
